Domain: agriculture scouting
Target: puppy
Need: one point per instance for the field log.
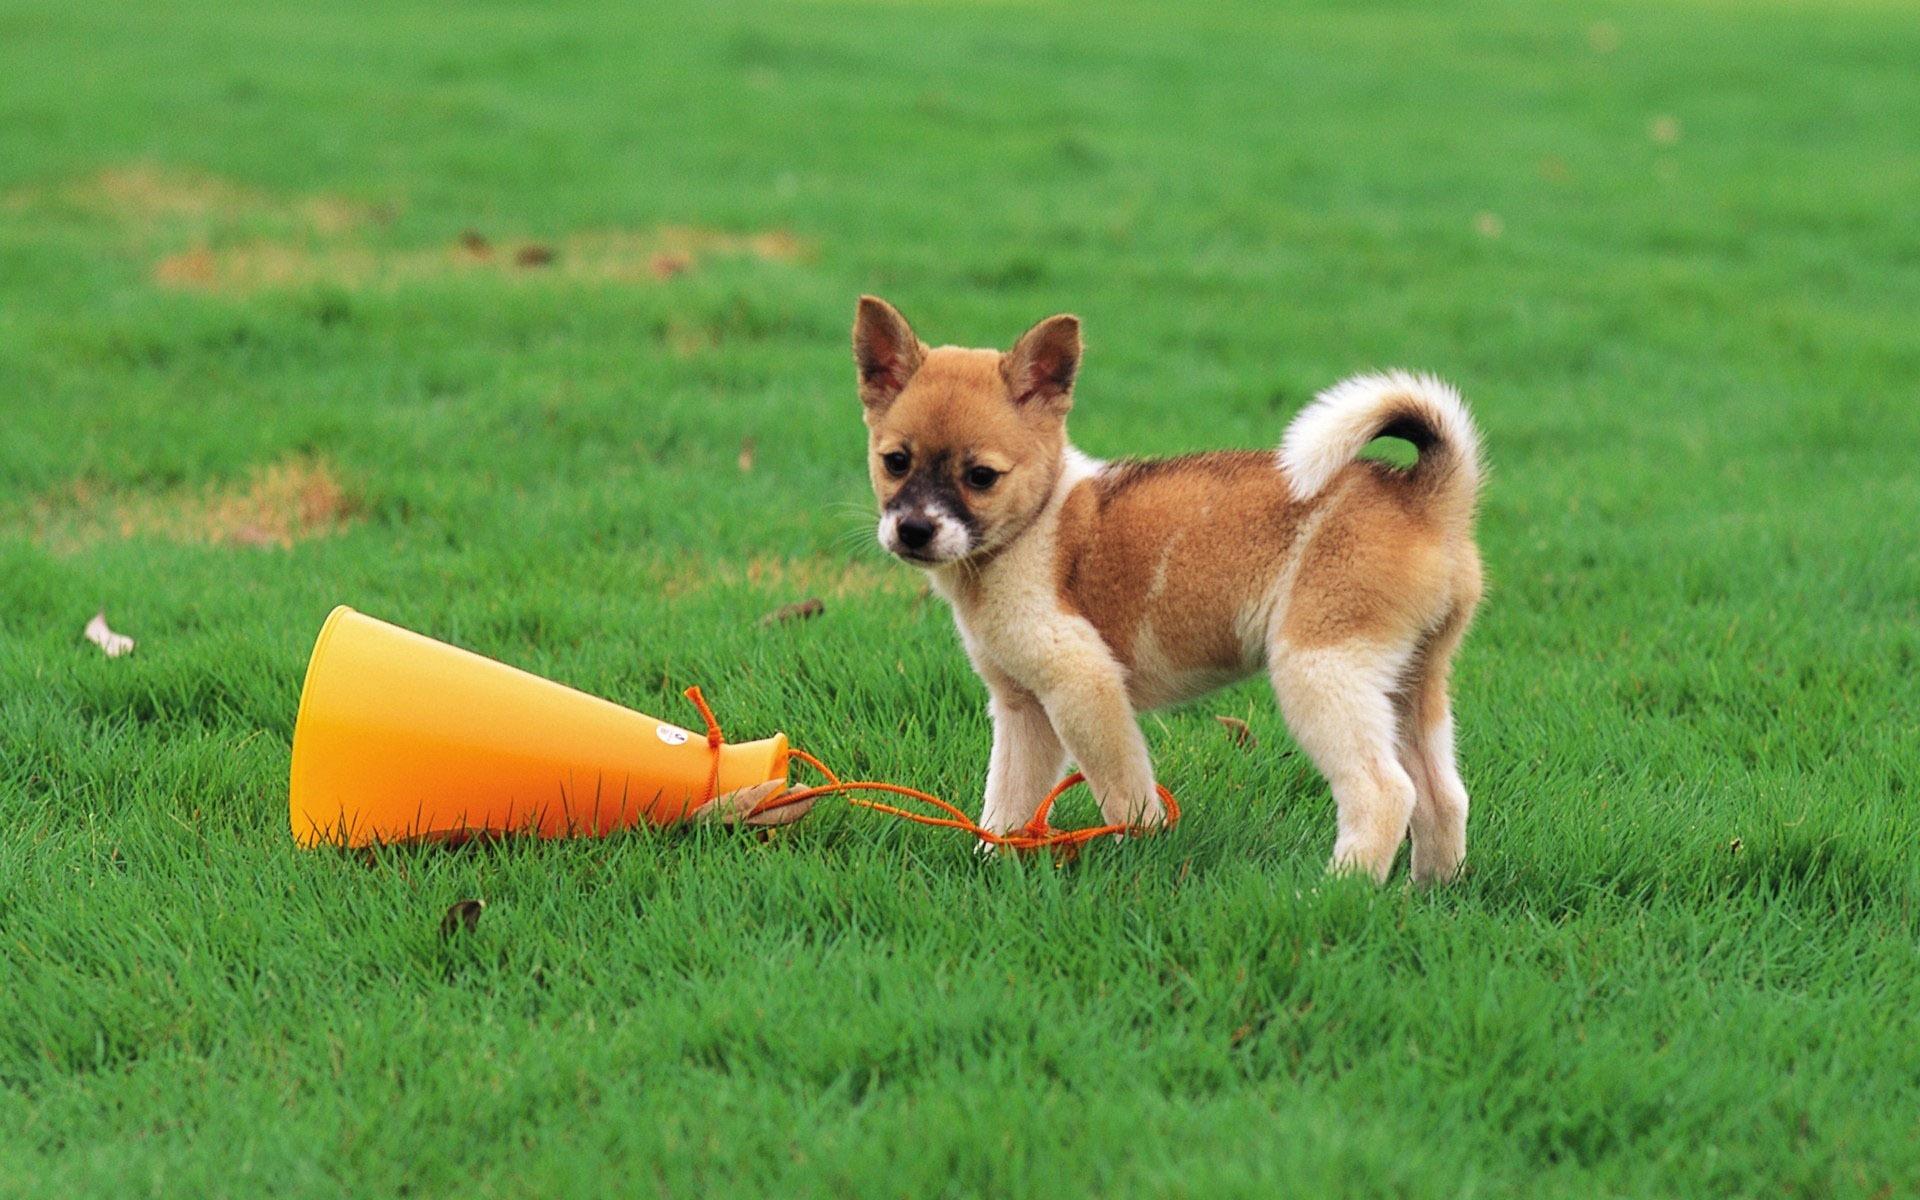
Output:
(1086, 591)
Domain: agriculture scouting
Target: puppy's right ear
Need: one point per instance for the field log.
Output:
(885, 350)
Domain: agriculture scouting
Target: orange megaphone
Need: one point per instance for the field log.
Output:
(403, 737)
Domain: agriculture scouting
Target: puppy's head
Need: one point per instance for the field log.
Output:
(964, 446)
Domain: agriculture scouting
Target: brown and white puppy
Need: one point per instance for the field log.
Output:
(1086, 591)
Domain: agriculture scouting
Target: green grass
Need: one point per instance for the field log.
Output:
(1668, 251)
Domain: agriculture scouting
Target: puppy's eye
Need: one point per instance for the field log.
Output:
(897, 462)
(981, 478)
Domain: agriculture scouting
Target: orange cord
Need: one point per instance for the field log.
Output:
(713, 740)
(1036, 834)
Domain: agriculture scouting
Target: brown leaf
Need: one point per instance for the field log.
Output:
(813, 606)
(1735, 846)
(534, 254)
(746, 455)
(112, 644)
(475, 243)
(463, 916)
(739, 807)
(668, 265)
(1239, 731)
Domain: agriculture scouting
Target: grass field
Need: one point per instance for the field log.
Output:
(527, 328)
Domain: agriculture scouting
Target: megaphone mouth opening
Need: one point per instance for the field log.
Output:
(314, 833)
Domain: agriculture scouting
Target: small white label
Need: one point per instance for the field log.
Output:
(673, 735)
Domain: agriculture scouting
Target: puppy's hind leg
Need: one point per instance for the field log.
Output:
(1337, 701)
(1426, 750)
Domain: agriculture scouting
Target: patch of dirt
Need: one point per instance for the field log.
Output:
(144, 191)
(214, 234)
(688, 339)
(829, 578)
(263, 266)
(826, 576)
(608, 256)
(145, 195)
(293, 500)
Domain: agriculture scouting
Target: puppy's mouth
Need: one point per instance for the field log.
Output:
(923, 557)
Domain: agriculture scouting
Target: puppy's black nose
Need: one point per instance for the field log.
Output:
(915, 532)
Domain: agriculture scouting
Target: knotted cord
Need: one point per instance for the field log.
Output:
(1036, 834)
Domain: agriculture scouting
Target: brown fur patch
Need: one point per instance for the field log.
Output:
(290, 501)
(1176, 548)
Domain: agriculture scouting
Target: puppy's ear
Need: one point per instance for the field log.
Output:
(1040, 368)
(885, 350)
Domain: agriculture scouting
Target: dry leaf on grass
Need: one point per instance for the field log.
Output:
(1239, 731)
(666, 265)
(746, 455)
(463, 916)
(735, 808)
(112, 644)
(534, 255)
(813, 606)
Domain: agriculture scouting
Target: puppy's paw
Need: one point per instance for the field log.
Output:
(1361, 861)
(1142, 818)
(1436, 865)
(1154, 818)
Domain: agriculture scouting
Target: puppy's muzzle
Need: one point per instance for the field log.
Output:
(924, 535)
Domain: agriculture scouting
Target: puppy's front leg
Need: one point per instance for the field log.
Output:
(1087, 700)
(1027, 756)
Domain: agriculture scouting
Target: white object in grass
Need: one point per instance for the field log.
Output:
(112, 644)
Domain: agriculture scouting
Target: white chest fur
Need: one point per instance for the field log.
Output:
(1009, 611)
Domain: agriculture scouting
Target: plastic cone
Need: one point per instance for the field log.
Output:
(402, 737)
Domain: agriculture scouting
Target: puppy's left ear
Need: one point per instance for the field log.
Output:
(1041, 367)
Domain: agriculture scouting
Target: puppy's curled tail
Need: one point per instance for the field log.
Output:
(1330, 433)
